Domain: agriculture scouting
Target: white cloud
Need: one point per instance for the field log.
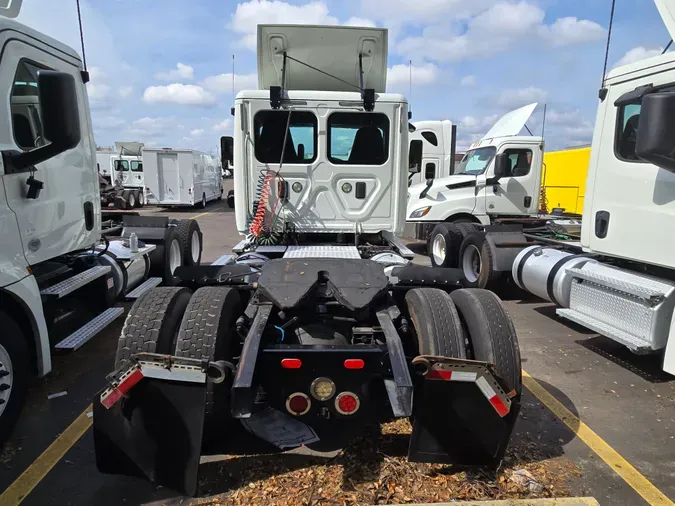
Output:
(182, 94)
(197, 132)
(422, 75)
(511, 99)
(222, 83)
(354, 21)
(152, 127)
(407, 11)
(223, 127)
(249, 14)
(180, 73)
(474, 124)
(637, 54)
(109, 123)
(497, 29)
(469, 81)
(582, 132)
(125, 91)
(555, 117)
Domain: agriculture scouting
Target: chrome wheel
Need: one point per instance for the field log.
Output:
(132, 200)
(195, 247)
(471, 263)
(438, 247)
(6, 378)
(141, 198)
(175, 257)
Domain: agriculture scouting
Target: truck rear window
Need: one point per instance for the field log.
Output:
(122, 165)
(358, 138)
(270, 127)
(136, 166)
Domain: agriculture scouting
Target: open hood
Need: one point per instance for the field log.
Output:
(667, 11)
(129, 148)
(10, 8)
(331, 49)
(511, 123)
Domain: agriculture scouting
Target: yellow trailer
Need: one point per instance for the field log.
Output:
(565, 179)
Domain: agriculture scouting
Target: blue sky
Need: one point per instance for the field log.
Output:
(161, 69)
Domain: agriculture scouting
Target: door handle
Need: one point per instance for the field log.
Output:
(601, 224)
(527, 201)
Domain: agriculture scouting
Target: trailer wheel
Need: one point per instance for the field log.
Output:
(436, 322)
(492, 336)
(202, 203)
(192, 240)
(230, 199)
(14, 370)
(207, 333)
(477, 263)
(152, 322)
(140, 198)
(443, 245)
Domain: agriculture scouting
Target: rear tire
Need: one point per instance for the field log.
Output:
(152, 322)
(477, 263)
(443, 245)
(207, 332)
(167, 256)
(125, 199)
(14, 370)
(202, 203)
(230, 199)
(436, 321)
(140, 198)
(492, 336)
(191, 239)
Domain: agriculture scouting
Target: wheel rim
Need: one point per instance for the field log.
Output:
(438, 249)
(471, 263)
(175, 259)
(6, 380)
(141, 198)
(194, 247)
(132, 200)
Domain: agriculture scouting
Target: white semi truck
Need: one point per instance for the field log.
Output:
(63, 263)
(436, 140)
(127, 174)
(317, 325)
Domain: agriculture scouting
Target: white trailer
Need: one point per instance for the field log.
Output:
(181, 177)
(104, 163)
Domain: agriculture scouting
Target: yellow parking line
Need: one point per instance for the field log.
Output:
(619, 465)
(207, 212)
(34, 474)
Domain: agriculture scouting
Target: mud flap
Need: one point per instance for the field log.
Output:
(154, 432)
(465, 420)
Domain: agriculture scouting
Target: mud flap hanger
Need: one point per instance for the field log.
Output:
(462, 413)
(277, 92)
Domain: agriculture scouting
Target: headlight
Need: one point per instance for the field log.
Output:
(418, 213)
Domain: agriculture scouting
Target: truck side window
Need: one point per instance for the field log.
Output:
(122, 165)
(136, 166)
(25, 102)
(431, 138)
(357, 138)
(270, 128)
(628, 119)
(521, 161)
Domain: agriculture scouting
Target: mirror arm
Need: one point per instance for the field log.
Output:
(16, 161)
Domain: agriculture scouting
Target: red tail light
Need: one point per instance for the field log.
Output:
(298, 404)
(291, 363)
(347, 403)
(354, 363)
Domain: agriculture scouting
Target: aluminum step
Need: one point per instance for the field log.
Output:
(632, 342)
(148, 284)
(224, 260)
(78, 281)
(90, 329)
(627, 282)
(322, 252)
(240, 246)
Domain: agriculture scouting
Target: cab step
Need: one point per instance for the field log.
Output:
(90, 329)
(148, 284)
(69, 285)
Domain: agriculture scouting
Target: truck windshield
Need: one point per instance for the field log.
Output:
(136, 166)
(475, 161)
(122, 165)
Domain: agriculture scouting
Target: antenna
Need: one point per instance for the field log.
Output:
(543, 123)
(85, 74)
(603, 91)
(232, 109)
(410, 85)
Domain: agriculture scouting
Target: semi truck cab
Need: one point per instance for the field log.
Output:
(498, 176)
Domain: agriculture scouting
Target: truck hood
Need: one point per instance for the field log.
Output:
(437, 192)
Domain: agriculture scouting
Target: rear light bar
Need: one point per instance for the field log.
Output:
(480, 373)
(354, 363)
(291, 363)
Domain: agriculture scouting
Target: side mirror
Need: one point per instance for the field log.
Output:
(227, 150)
(424, 192)
(502, 166)
(60, 120)
(655, 142)
(415, 157)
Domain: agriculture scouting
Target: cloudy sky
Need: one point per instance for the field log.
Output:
(161, 69)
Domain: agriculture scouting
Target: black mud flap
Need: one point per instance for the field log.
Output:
(457, 421)
(155, 432)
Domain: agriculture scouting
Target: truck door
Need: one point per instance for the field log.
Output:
(431, 156)
(518, 192)
(66, 214)
(136, 173)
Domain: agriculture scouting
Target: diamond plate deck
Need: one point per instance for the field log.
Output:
(620, 280)
(631, 342)
(322, 252)
(265, 250)
(148, 284)
(90, 329)
(79, 280)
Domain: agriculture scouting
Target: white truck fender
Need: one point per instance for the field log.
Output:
(27, 293)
